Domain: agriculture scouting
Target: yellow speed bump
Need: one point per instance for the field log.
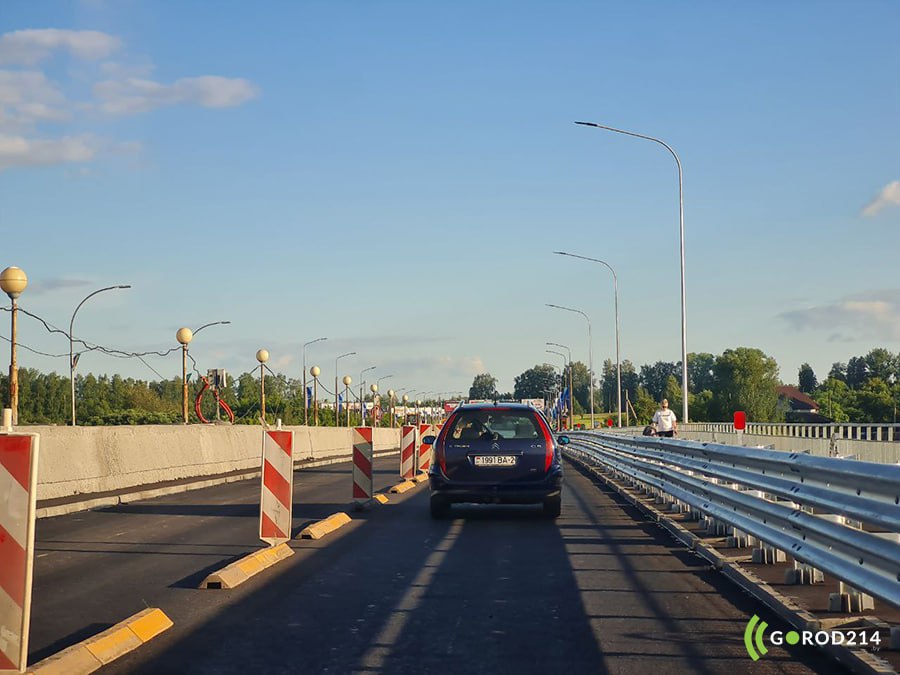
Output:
(420, 478)
(381, 499)
(103, 648)
(239, 571)
(400, 488)
(327, 525)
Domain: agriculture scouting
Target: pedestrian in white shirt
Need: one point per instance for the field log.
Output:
(664, 421)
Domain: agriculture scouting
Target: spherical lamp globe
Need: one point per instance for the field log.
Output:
(184, 335)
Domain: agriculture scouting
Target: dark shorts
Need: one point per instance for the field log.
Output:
(670, 434)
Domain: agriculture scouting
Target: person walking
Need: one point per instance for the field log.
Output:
(664, 421)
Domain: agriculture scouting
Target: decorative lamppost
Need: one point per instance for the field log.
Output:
(13, 281)
(374, 389)
(184, 336)
(405, 408)
(347, 382)
(314, 371)
(262, 356)
(391, 406)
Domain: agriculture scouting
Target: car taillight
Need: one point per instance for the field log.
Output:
(548, 442)
(440, 444)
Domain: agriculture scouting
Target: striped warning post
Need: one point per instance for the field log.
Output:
(18, 487)
(407, 451)
(363, 485)
(277, 487)
(424, 460)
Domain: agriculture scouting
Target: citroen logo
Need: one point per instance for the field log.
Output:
(495, 446)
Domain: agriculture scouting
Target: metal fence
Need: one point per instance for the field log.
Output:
(856, 432)
(839, 516)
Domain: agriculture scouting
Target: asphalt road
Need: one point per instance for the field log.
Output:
(491, 590)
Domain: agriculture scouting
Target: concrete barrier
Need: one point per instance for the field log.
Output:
(91, 460)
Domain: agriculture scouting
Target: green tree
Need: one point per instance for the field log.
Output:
(834, 398)
(535, 381)
(746, 379)
(484, 386)
(701, 373)
(875, 401)
(807, 379)
(644, 406)
(882, 364)
(655, 378)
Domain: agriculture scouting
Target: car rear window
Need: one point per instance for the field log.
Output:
(473, 425)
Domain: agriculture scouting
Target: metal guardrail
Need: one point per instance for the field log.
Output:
(742, 487)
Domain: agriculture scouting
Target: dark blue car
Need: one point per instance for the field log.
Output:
(502, 453)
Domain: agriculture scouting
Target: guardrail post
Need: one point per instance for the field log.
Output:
(803, 574)
(849, 599)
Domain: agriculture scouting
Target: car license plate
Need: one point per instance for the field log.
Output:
(495, 460)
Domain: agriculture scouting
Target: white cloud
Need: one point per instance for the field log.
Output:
(28, 47)
(862, 316)
(24, 152)
(889, 196)
(133, 95)
(27, 97)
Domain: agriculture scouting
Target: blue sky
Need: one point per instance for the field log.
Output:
(395, 175)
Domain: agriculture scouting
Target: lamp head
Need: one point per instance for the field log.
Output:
(184, 335)
(374, 388)
(314, 371)
(13, 281)
(347, 380)
(262, 355)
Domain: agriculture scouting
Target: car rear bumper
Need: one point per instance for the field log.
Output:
(496, 493)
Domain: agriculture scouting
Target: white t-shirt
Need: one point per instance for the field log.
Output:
(664, 420)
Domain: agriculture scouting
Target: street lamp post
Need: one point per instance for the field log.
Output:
(72, 359)
(362, 402)
(262, 356)
(684, 373)
(184, 336)
(391, 406)
(616, 296)
(336, 411)
(571, 379)
(347, 382)
(13, 281)
(305, 402)
(374, 389)
(314, 371)
(590, 353)
(562, 375)
(405, 400)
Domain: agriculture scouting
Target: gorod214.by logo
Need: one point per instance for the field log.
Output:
(755, 635)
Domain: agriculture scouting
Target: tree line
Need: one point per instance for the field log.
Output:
(864, 389)
(109, 400)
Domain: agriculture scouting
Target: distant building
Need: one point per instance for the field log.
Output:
(798, 407)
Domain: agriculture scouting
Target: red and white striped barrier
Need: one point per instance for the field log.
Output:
(424, 460)
(408, 451)
(363, 484)
(277, 497)
(18, 487)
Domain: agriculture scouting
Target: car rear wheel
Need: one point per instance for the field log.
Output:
(440, 507)
(552, 507)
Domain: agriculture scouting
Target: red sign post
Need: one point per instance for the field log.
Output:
(740, 422)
